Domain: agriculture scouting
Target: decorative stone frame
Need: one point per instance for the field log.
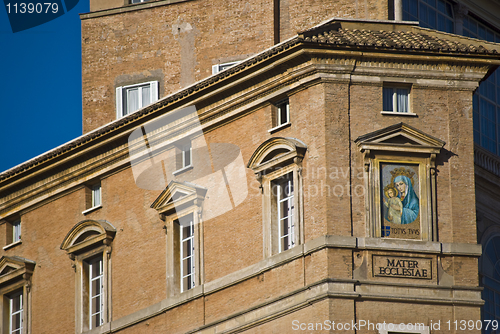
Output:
(274, 158)
(88, 239)
(15, 275)
(180, 199)
(400, 143)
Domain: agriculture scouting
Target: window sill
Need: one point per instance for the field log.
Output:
(398, 113)
(279, 127)
(91, 209)
(14, 244)
(183, 169)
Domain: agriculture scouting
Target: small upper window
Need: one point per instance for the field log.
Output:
(16, 231)
(96, 195)
(280, 114)
(184, 160)
(138, 1)
(186, 155)
(93, 198)
(134, 97)
(13, 236)
(396, 99)
(221, 67)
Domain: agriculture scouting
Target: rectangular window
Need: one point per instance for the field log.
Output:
(138, 1)
(221, 67)
(16, 313)
(187, 258)
(13, 233)
(96, 292)
(395, 99)
(283, 188)
(186, 155)
(96, 195)
(16, 231)
(134, 97)
(282, 112)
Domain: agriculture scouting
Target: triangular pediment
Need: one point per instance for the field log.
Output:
(400, 137)
(176, 194)
(14, 267)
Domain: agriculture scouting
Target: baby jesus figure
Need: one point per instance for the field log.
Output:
(393, 204)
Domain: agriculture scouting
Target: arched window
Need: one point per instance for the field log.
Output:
(88, 245)
(277, 164)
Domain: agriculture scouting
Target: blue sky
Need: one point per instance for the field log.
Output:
(41, 86)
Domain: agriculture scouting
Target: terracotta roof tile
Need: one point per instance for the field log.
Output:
(330, 32)
(407, 40)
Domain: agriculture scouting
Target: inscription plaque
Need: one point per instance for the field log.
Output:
(402, 267)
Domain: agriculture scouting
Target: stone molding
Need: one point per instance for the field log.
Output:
(327, 288)
(487, 160)
(113, 153)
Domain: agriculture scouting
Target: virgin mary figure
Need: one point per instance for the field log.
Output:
(408, 197)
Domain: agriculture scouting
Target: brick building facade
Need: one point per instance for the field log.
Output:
(258, 167)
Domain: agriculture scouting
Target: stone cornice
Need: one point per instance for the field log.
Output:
(221, 99)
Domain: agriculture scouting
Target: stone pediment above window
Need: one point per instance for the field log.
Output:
(178, 195)
(14, 268)
(275, 153)
(88, 234)
(400, 178)
(400, 137)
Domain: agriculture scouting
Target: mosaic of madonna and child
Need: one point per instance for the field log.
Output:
(400, 202)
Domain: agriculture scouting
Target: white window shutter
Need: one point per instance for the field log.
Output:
(154, 91)
(119, 102)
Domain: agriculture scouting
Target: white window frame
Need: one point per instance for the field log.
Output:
(98, 261)
(187, 154)
(184, 155)
(12, 297)
(279, 106)
(96, 195)
(395, 106)
(175, 252)
(221, 67)
(16, 231)
(13, 235)
(279, 187)
(185, 255)
(278, 121)
(121, 93)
